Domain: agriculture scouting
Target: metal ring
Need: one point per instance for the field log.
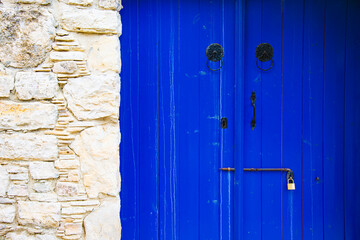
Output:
(272, 64)
(221, 65)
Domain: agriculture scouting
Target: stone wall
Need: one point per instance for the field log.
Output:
(59, 110)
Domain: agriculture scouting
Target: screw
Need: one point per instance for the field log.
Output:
(317, 178)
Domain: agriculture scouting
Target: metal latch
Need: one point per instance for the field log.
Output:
(289, 174)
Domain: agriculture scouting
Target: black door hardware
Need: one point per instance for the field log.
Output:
(253, 99)
(214, 53)
(264, 52)
(289, 174)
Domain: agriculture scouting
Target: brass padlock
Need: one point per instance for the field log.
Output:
(290, 180)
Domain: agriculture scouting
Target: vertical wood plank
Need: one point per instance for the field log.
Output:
(252, 145)
(352, 123)
(335, 27)
(292, 115)
(313, 180)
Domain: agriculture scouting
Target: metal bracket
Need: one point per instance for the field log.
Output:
(228, 169)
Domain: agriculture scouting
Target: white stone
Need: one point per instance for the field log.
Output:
(6, 85)
(23, 235)
(65, 67)
(84, 3)
(67, 56)
(104, 222)
(91, 21)
(73, 229)
(104, 54)
(7, 213)
(35, 85)
(74, 210)
(16, 169)
(43, 197)
(43, 187)
(26, 35)
(46, 237)
(27, 116)
(43, 170)
(110, 4)
(43, 214)
(19, 190)
(67, 189)
(4, 181)
(19, 177)
(41, 2)
(98, 148)
(71, 164)
(28, 146)
(94, 96)
(6, 200)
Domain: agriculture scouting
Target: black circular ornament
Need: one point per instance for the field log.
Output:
(214, 53)
(264, 52)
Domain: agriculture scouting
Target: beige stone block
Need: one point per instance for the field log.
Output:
(7, 213)
(65, 67)
(41, 2)
(35, 85)
(67, 189)
(28, 146)
(43, 187)
(18, 190)
(42, 214)
(84, 3)
(110, 4)
(94, 96)
(98, 148)
(91, 21)
(43, 197)
(104, 222)
(24, 42)
(73, 228)
(27, 116)
(67, 56)
(4, 181)
(6, 85)
(43, 170)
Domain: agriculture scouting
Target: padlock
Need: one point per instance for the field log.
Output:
(290, 181)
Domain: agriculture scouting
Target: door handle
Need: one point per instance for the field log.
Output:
(289, 174)
(253, 99)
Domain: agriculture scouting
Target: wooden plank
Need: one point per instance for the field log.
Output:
(209, 194)
(129, 125)
(334, 71)
(352, 120)
(149, 120)
(292, 116)
(252, 145)
(271, 122)
(313, 180)
(168, 67)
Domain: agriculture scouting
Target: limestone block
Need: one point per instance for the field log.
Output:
(94, 96)
(35, 85)
(28, 146)
(43, 197)
(43, 187)
(6, 200)
(67, 56)
(43, 170)
(27, 116)
(7, 213)
(46, 237)
(16, 169)
(67, 189)
(73, 228)
(20, 177)
(110, 4)
(4, 181)
(65, 67)
(41, 2)
(23, 235)
(43, 214)
(18, 190)
(104, 222)
(26, 36)
(99, 159)
(104, 54)
(91, 21)
(84, 3)
(6, 85)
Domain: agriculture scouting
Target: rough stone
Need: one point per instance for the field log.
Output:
(73, 228)
(98, 150)
(28, 146)
(26, 36)
(27, 116)
(70, 164)
(46, 237)
(66, 189)
(23, 235)
(43, 170)
(91, 21)
(42, 214)
(4, 181)
(43, 187)
(110, 4)
(19, 190)
(104, 54)
(67, 56)
(7, 213)
(41, 2)
(35, 85)
(94, 96)
(84, 3)
(6, 200)
(65, 67)
(16, 169)
(6, 85)
(43, 197)
(20, 177)
(104, 222)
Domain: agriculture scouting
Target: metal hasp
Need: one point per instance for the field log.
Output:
(264, 52)
(227, 169)
(214, 53)
(289, 174)
(253, 99)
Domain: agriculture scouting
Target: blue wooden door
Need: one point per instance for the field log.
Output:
(307, 119)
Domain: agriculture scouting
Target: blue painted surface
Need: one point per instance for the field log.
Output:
(306, 112)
